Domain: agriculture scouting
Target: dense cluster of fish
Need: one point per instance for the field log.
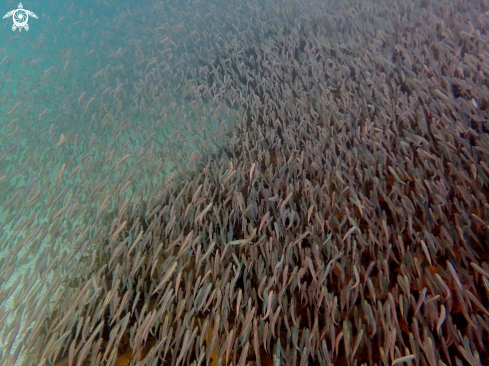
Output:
(303, 183)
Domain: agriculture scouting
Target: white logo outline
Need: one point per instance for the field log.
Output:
(20, 17)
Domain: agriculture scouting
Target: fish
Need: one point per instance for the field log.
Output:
(403, 359)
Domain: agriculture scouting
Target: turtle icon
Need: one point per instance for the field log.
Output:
(20, 17)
